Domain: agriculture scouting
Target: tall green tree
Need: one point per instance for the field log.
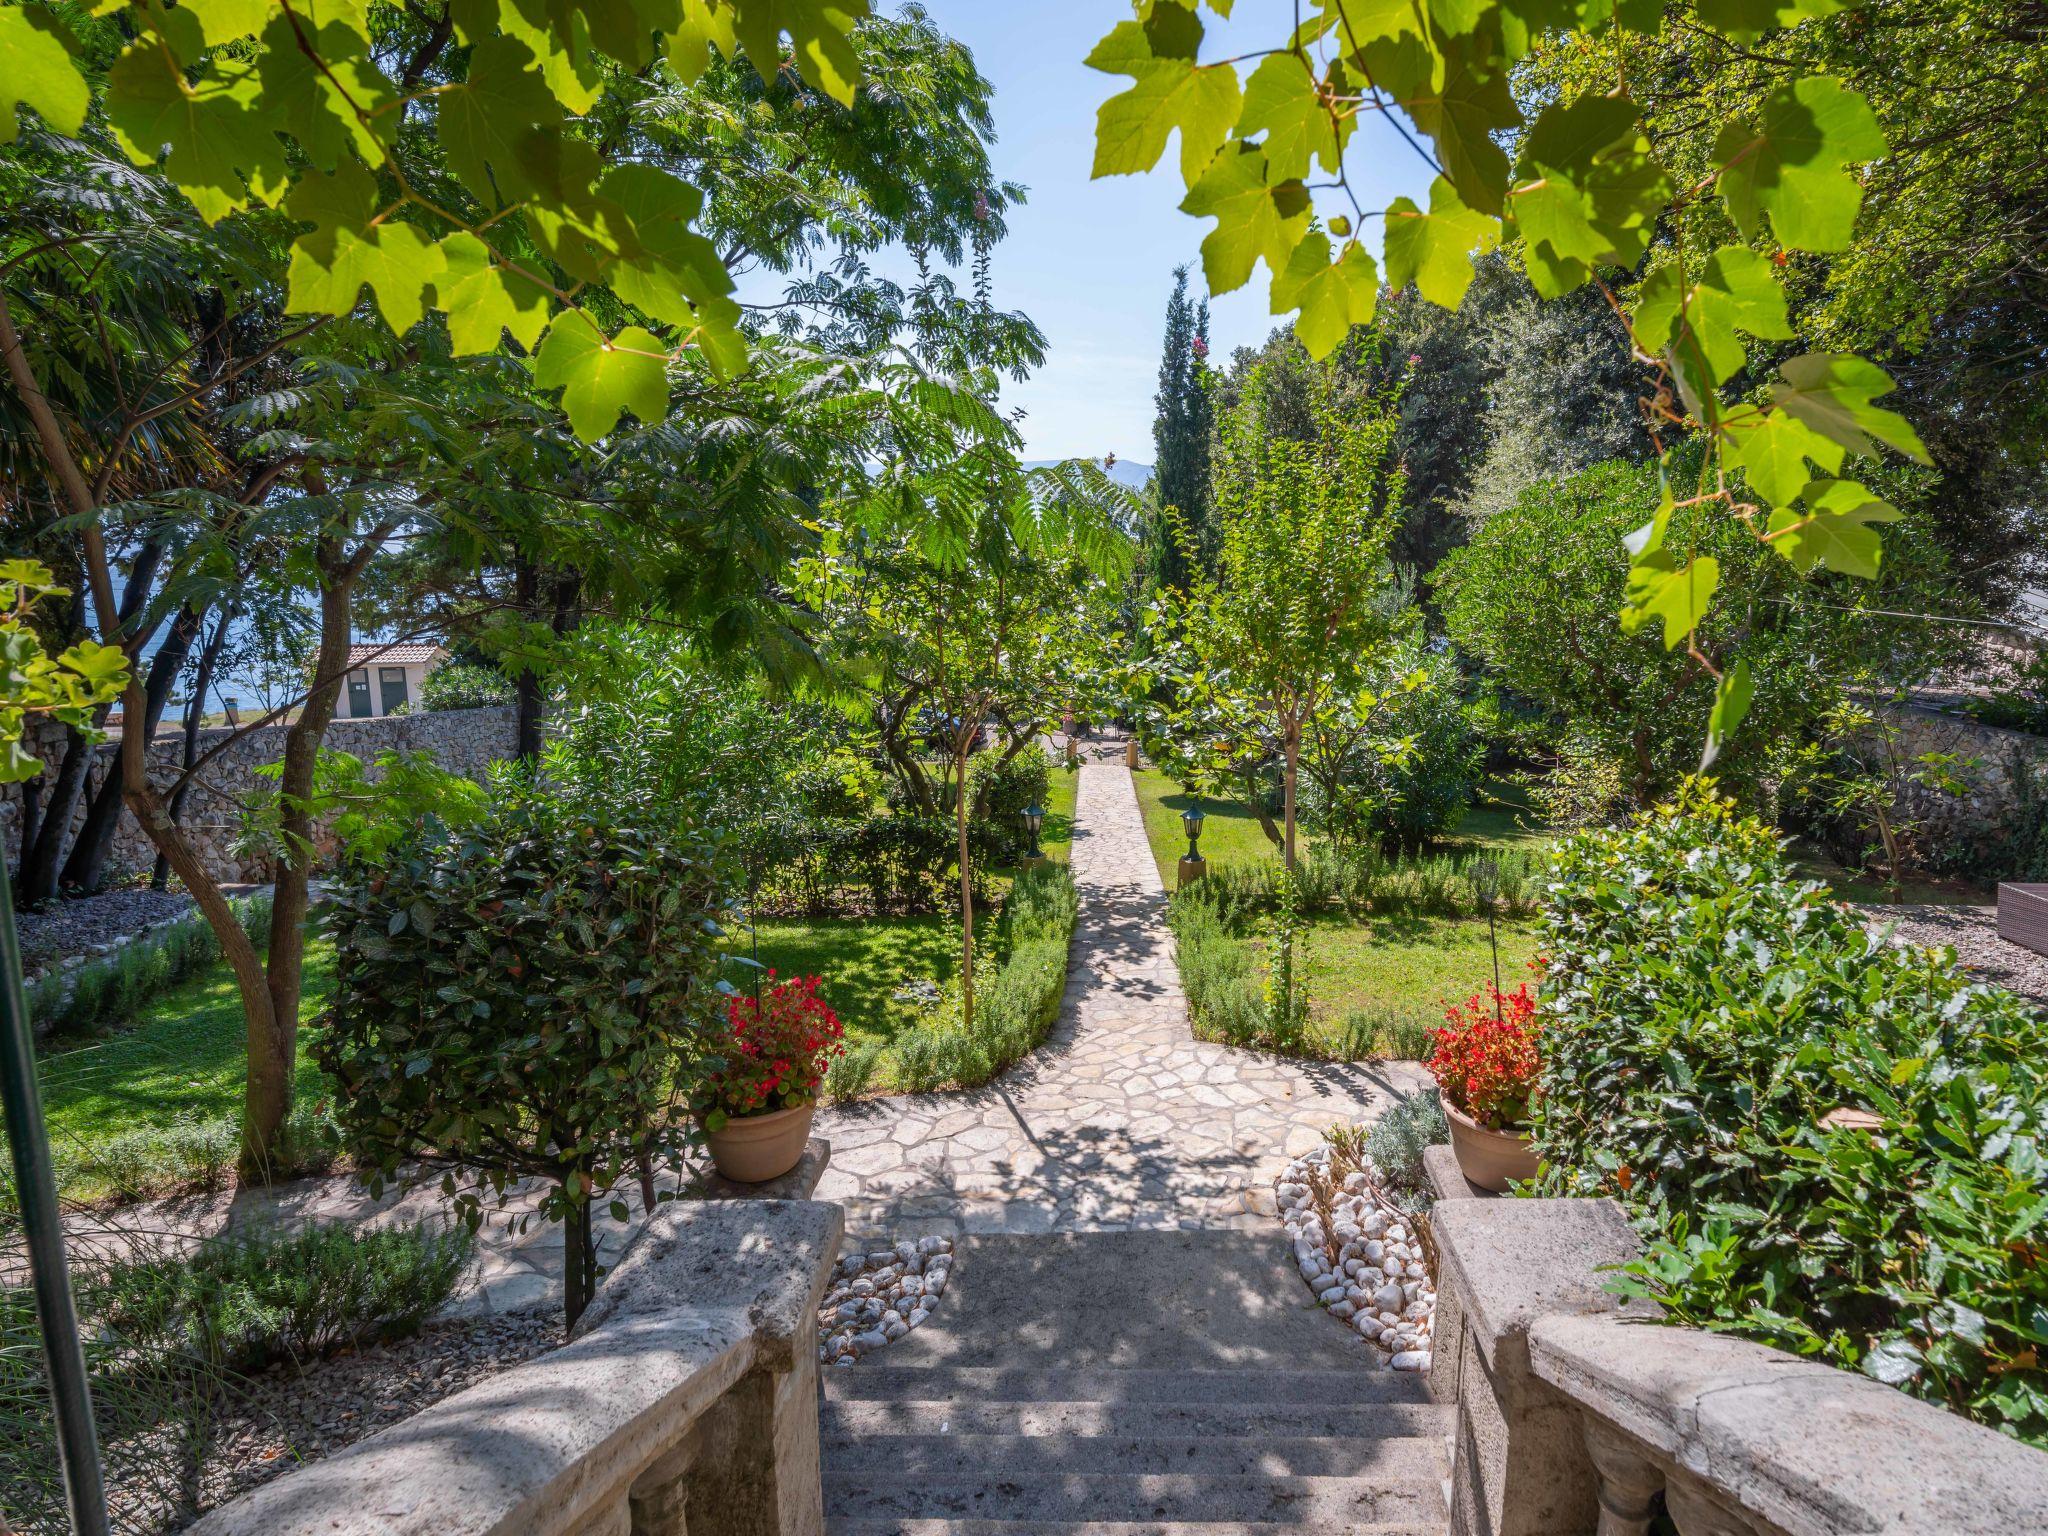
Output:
(1180, 441)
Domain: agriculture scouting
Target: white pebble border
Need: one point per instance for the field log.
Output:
(1378, 1287)
(877, 1297)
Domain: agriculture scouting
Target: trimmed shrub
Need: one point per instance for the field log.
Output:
(109, 989)
(244, 1302)
(1015, 1006)
(463, 685)
(1831, 1145)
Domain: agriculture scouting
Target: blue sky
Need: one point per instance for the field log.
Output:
(1092, 261)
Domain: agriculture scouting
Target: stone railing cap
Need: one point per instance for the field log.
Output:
(1511, 1262)
(1813, 1450)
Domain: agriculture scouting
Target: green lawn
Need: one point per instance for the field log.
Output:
(1404, 971)
(860, 962)
(183, 1058)
(1399, 971)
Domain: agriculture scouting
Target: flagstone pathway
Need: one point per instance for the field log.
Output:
(1122, 1119)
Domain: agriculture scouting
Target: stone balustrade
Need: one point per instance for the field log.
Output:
(687, 1399)
(1577, 1413)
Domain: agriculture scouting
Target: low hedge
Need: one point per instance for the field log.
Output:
(1830, 1144)
(1016, 1003)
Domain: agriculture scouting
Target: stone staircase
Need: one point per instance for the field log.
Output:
(1130, 1383)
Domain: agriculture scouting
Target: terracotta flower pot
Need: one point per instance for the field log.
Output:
(1489, 1158)
(755, 1148)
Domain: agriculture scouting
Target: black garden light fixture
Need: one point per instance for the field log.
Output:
(1034, 818)
(1486, 888)
(1191, 821)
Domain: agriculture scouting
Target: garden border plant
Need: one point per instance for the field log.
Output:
(105, 988)
(1830, 1144)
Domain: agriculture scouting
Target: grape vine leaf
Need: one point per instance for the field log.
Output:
(1281, 100)
(1696, 323)
(1434, 250)
(1587, 192)
(820, 32)
(485, 121)
(1169, 91)
(39, 73)
(1794, 165)
(1832, 529)
(483, 300)
(1466, 104)
(1253, 218)
(1660, 588)
(1773, 448)
(345, 249)
(1332, 296)
(1742, 20)
(602, 378)
(1731, 704)
(222, 149)
(222, 21)
(314, 102)
(1834, 394)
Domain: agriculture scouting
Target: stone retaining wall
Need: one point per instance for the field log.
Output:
(465, 741)
(1956, 831)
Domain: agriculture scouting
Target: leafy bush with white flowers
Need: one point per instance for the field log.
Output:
(1831, 1145)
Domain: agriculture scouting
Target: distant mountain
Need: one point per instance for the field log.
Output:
(1124, 471)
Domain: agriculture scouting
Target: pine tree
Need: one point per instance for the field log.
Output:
(1180, 436)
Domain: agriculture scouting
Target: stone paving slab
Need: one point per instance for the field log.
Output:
(1122, 1120)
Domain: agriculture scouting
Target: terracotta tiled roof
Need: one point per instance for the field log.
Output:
(412, 654)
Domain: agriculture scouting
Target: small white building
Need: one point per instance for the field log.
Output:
(382, 677)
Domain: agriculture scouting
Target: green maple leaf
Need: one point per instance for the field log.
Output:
(1434, 250)
(1794, 164)
(345, 250)
(223, 150)
(1281, 101)
(1169, 91)
(1253, 219)
(483, 300)
(1697, 324)
(39, 73)
(1833, 393)
(602, 378)
(821, 31)
(1773, 448)
(1332, 296)
(1731, 705)
(484, 121)
(1461, 111)
(1832, 529)
(1660, 588)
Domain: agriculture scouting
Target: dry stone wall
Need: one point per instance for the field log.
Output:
(1959, 831)
(465, 741)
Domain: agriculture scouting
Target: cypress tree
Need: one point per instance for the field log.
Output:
(1180, 435)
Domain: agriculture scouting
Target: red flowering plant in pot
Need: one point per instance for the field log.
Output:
(1485, 1065)
(759, 1091)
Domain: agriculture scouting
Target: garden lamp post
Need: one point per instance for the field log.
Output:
(1034, 818)
(36, 1186)
(1192, 865)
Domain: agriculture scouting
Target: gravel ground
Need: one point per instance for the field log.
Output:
(73, 927)
(1973, 933)
(286, 1417)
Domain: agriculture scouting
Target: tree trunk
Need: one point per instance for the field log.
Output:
(579, 1258)
(195, 715)
(966, 890)
(86, 869)
(1290, 782)
(40, 856)
(273, 1060)
(526, 696)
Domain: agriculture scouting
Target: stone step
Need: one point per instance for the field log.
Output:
(1101, 1384)
(971, 1527)
(1002, 1458)
(1178, 1497)
(855, 1418)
